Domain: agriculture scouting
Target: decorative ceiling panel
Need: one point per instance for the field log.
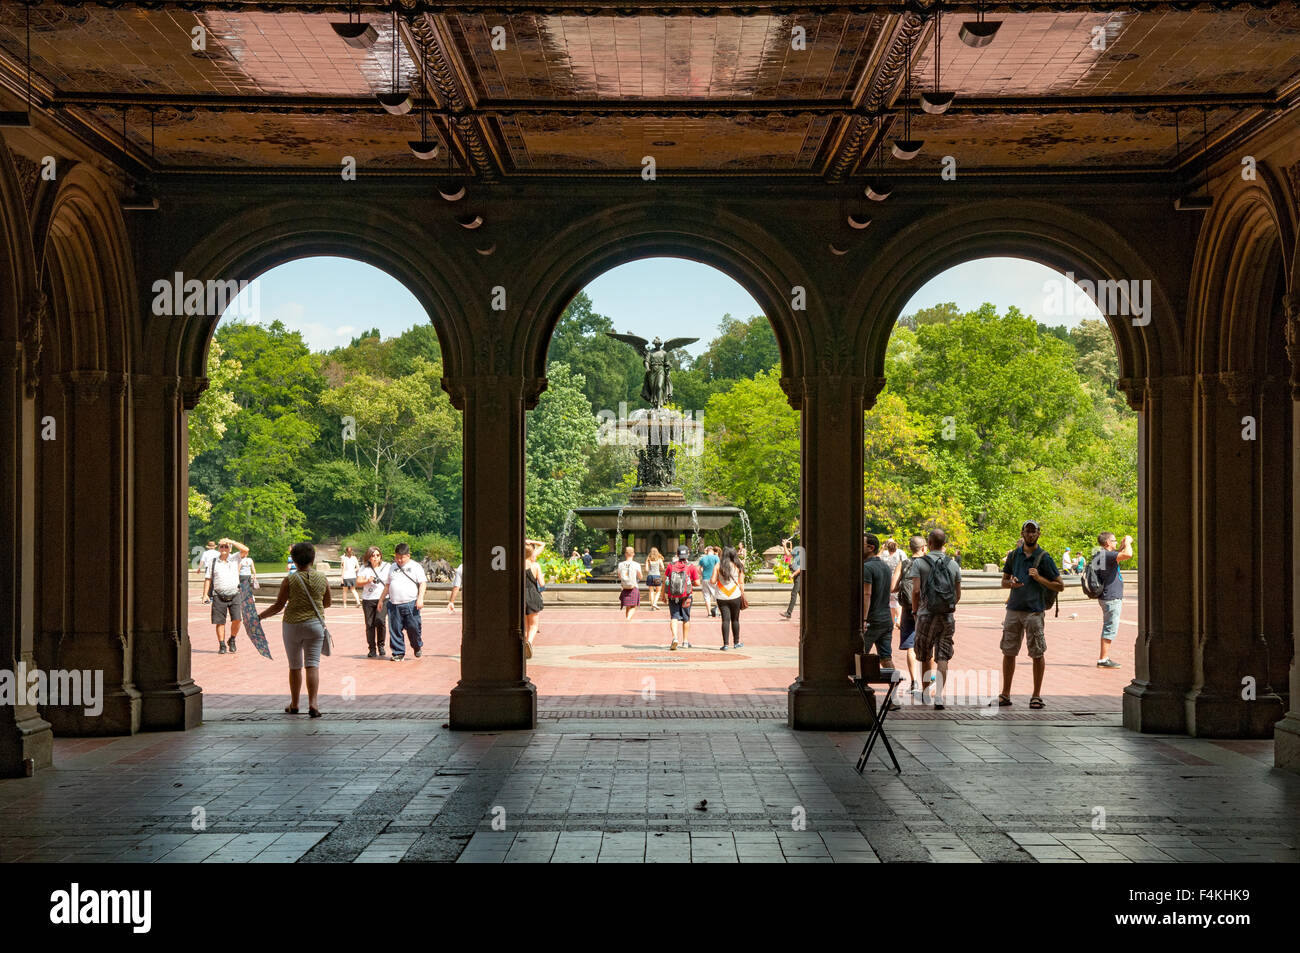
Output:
(1066, 141)
(661, 58)
(1041, 54)
(677, 144)
(270, 140)
(137, 51)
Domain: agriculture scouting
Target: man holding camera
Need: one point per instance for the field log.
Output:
(1106, 564)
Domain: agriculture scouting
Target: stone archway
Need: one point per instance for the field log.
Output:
(85, 609)
(817, 378)
(1151, 375)
(1244, 435)
(26, 741)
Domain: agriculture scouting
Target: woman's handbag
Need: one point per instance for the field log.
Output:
(327, 646)
(744, 603)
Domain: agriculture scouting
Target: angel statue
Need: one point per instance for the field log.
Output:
(657, 389)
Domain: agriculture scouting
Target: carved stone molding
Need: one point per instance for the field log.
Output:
(1133, 390)
(85, 387)
(1239, 385)
(1293, 179)
(153, 389)
(192, 389)
(1291, 304)
(490, 392)
(1172, 389)
(29, 177)
(33, 332)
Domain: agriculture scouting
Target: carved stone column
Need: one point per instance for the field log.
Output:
(1154, 701)
(96, 596)
(26, 741)
(169, 699)
(1229, 696)
(1286, 733)
(822, 698)
(493, 693)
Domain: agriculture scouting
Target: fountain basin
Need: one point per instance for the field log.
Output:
(645, 525)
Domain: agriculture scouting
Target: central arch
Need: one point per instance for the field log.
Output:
(739, 248)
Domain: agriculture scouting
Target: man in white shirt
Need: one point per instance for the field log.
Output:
(221, 584)
(404, 592)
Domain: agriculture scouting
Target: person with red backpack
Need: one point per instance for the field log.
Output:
(680, 578)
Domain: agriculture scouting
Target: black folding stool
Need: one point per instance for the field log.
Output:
(869, 673)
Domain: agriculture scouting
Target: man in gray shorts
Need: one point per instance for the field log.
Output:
(935, 625)
(1028, 572)
(222, 584)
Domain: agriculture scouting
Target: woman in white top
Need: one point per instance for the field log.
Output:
(729, 578)
(350, 566)
(372, 576)
(629, 576)
(654, 576)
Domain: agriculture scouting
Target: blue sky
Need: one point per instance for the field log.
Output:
(331, 300)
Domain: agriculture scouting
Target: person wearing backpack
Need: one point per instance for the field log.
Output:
(680, 577)
(907, 615)
(936, 590)
(629, 577)
(877, 622)
(1103, 581)
(1034, 582)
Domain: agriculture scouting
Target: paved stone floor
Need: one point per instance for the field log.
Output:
(591, 790)
(590, 663)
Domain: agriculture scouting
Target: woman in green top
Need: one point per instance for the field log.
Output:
(307, 595)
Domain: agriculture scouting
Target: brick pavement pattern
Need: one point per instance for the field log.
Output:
(588, 662)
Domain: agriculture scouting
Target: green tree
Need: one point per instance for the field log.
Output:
(266, 518)
(209, 419)
(935, 314)
(561, 437)
(751, 453)
(611, 371)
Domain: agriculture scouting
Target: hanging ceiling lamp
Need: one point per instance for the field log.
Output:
(424, 147)
(936, 102)
(879, 188)
(1192, 202)
(396, 102)
(357, 33)
(978, 32)
(451, 188)
(907, 147)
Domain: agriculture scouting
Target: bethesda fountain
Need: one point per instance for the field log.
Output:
(656, 514)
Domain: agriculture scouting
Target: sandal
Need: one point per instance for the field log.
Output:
(1002, 702)
(314, 712)
(290, 710)
(1036, 702)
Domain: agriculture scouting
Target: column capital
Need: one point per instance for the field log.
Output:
(1239, 385)
(149, 389)
(192, 389)
(832, 388)
(1170, 388)
(490, 389)
(1134, 391)
(1291, 305)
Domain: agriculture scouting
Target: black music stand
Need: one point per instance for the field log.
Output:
(869, 673)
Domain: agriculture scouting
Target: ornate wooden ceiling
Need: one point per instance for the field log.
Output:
(720, 89)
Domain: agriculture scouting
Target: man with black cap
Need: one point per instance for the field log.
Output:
(1028, 572)
(680, 578)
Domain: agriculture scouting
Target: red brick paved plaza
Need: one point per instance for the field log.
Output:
(589, 662)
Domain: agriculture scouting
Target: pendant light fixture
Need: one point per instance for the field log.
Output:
(356, 33)
(907, 147)
(879, 188)
(424, 147)
(11, 119)
(451, 188)
(396, 102)
(936, 102)
(1192, 202)
(978, 32)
